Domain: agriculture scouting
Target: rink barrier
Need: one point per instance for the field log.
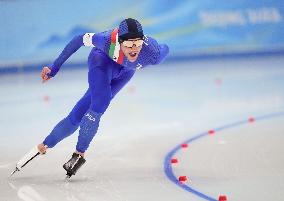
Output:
(168, 165)
(23, 68)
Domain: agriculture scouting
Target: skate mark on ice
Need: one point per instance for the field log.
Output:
(5, 166)
(27, 193)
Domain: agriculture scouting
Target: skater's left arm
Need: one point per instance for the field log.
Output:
(158, 51)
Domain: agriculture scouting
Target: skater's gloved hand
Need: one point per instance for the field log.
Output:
(45, 74)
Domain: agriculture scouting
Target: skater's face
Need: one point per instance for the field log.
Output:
(131, 48)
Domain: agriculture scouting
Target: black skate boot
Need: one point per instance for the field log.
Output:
(73, 165)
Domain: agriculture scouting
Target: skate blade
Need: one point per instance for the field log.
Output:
(67, 178)
(30, 159)
(16, 170)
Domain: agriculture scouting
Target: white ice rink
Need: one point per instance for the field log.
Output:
(161, 108)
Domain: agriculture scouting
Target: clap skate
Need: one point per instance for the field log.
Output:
(34, 152)
(73, 165)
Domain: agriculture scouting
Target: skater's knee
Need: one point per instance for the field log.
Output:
(73, 119)
(88, 128)
(70, 124)
(91, 120)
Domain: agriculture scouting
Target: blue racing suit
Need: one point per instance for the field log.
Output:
(109, 71)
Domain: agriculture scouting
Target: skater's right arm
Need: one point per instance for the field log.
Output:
(88, 39)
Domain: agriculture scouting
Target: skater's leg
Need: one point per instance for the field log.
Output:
(64, 128)
(116, 86)
(99, 78)
(103, 89)
(118, 83)
(68, 125)
(80, 108)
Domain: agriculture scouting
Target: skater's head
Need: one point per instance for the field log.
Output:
(130, 29)
(130, 35)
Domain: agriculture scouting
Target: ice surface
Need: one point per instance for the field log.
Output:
(161, 107)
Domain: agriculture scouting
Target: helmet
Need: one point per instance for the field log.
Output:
(129, 29)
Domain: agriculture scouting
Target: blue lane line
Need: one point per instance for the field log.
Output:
(167, 162)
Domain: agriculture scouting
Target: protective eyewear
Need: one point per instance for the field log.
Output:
(130, 43)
